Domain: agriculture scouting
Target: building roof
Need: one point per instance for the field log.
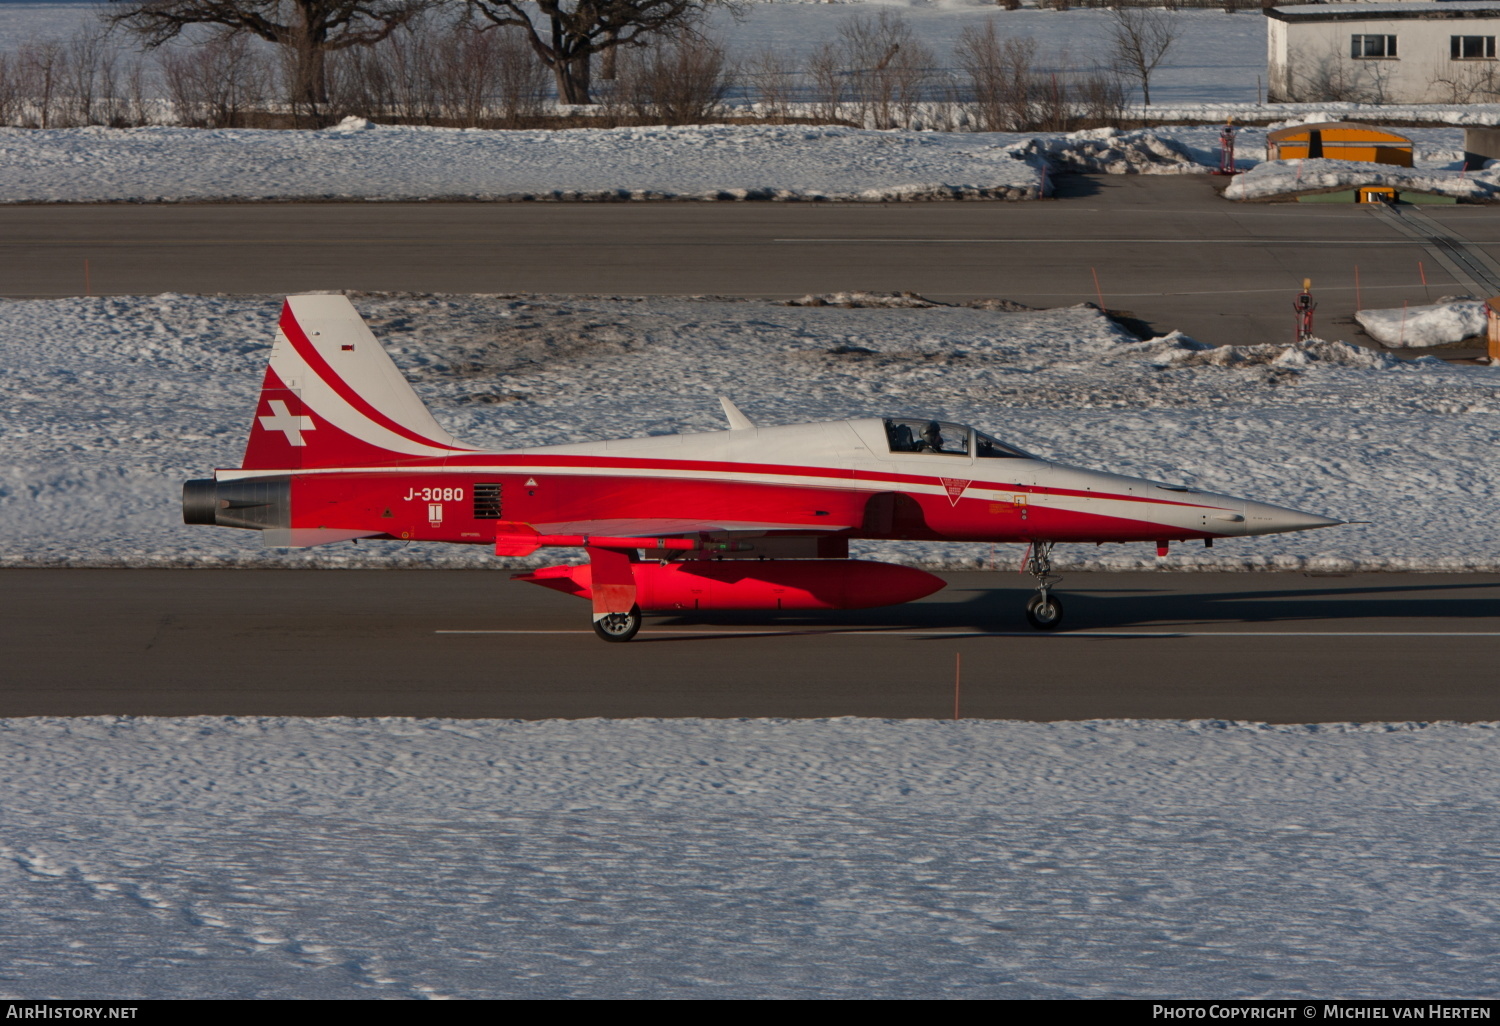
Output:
(1413, 10)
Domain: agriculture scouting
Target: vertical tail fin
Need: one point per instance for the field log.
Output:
(332, 397)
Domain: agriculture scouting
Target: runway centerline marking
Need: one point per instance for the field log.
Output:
(1230, 241)
(875, 632)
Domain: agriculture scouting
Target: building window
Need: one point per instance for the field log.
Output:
(1472, 48)
(1361, 47)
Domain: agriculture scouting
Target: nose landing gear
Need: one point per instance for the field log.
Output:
(1044, 611)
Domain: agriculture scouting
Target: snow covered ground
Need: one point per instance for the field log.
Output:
(108, 404)
(357, 160)
(1421, 327)
(333, 858)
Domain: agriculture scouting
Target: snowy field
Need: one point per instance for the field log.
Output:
(360, 161)
(357, 160)
(335, 858)
(108, 404)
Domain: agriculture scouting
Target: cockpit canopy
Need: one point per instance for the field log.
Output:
(940, 438)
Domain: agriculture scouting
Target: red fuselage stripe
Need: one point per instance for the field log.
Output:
(606, 464)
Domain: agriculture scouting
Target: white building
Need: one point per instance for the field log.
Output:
(1412, 52)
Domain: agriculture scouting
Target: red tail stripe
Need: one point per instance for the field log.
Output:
(320, 367)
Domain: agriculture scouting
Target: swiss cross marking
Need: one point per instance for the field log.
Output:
(283, 420)
(954, 487)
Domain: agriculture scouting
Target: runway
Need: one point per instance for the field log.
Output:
(1277, 647)
(1165, 248)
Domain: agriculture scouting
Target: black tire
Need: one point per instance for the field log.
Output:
(619, 626)
(1044, 613)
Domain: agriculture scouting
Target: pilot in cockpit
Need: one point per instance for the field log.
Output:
(932, 438)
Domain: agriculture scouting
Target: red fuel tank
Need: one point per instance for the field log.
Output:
(757, 584)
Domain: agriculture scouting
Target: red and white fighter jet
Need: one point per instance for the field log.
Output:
(749, 518)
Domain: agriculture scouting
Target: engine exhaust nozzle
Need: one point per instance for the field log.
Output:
(200, 501)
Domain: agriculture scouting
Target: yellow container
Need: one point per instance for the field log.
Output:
(1340, 140)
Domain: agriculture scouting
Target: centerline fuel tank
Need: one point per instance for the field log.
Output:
(746, 584)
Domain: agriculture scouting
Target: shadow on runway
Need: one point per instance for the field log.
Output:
(1074, 186)
(1358, 605)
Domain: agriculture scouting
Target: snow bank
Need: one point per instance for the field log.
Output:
(1276, 178)
(1110, 151)
(396, 858)
(108, 404)
(1422, 326)
(1187, 353)
(358, 160)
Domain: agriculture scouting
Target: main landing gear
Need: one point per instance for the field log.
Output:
(619, 626)
(1044, 611)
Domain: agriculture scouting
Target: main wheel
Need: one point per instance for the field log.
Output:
(1044, 611)
(619, 626)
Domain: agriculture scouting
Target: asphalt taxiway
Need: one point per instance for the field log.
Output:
(1277, 647)
(1166, 248)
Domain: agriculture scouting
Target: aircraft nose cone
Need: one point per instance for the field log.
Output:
(1263, 518)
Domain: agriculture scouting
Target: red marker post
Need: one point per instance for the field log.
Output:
(1226, 150)
(1303, 307)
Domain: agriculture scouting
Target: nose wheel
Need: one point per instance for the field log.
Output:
(1044, 610)
(619, 626)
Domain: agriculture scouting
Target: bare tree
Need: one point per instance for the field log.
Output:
(826, 69)
(772, 76)
(396, 77)
(40, 67)
(889, 67)
(133, 108)
(1000, 73)
(566, 34)
(216, 84)
(1142, 37)
(10, 90)
(1100, 95)
(467, 74)
(522, 81)
(88, 74)
(308, 29)
(680, 81)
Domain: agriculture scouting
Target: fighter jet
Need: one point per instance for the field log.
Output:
(751, 517)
